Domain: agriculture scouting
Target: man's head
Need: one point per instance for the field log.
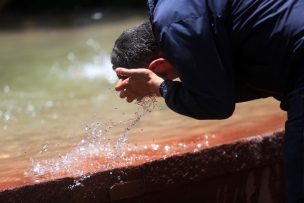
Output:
(137, 48)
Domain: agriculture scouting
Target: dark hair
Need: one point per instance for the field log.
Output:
(135, 47)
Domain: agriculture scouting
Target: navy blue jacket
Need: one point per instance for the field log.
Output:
(228, 51)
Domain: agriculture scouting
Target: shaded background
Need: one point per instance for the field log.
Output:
(13, 13)
(57, 5)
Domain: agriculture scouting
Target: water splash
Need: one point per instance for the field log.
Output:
(167, 148)
(97, 16)
(98, 66)
(155, 147)
(6, 89)
(44, 149)
(7, 116)
(78, 182)
(99, 149)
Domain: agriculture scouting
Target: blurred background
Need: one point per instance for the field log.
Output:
(13, 13)
(38, 5)
(56, 79)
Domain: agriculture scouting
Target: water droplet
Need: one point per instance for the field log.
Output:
(71, 56)
(167, 148)
(207, 143)
(82, 149)
(97, 16)
(7, 116)
(77, 183)
(155, 147)
(30, 108)
(49, 104)
(6, 89)
(38, 169)
(87, 128)
(71, 95)
(5, 156)
(90, 42)
(93, 44)
(54, 116)
(183, 145)
(44, 149)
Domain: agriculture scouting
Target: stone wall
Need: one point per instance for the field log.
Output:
(246, 171)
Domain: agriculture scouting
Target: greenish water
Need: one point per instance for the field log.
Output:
(58, 107)
(55, 81)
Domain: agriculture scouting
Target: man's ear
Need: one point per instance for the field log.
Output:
(160, 66)
(163, 68)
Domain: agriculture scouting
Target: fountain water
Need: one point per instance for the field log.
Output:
(99, 143)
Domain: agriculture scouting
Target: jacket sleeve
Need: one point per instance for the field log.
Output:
(200, 56)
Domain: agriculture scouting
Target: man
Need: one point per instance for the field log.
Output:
(137, 48)
(228, 51)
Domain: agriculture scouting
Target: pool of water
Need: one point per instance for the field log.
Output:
(57, 99)
(54, 82)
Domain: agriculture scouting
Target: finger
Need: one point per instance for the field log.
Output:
(131, 72)
(119, 82)
(139, 98)
(121, 85)
(131, 98)
(123, 94)
(128, 94)
(123, 72)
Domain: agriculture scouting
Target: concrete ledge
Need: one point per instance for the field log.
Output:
(248, 170)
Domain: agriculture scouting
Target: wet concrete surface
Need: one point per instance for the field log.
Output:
(239, 162)
(249, 170)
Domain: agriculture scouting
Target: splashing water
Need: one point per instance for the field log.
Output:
(98, 147)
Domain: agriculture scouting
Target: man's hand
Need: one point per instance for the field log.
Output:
(139, 84)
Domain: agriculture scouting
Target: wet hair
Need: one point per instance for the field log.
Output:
(135, 47)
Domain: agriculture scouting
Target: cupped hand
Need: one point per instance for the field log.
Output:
(139, 83)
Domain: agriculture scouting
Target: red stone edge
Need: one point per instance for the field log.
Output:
(151, 177)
